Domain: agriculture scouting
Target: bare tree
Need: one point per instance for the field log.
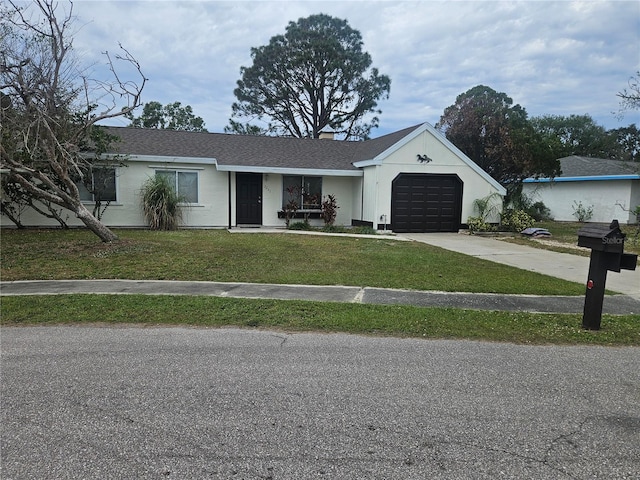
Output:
(50, 108)
(630, 97)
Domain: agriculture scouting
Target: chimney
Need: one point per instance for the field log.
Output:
(326, 135)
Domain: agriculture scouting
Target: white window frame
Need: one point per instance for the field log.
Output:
(160, 169)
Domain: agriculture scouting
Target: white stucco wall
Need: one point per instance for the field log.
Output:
(341, 187)
(209, 212)
(212, 209)
(603, 195)
(378, 178)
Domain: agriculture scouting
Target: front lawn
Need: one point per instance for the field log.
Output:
(217, 255)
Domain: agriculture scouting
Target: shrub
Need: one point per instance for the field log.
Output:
(299, 226)
(539, 211)
(161, 204)
(582, 213)
(291, 206)
(335, 229)
(364, 230)
(477, 224)
(329, 210)
(518, 200)
(516, 220)
(636, 212)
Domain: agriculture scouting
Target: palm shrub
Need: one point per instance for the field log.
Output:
(486, 207)
(161, 204)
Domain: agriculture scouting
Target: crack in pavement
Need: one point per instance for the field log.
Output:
(544, 461)
(282, 339)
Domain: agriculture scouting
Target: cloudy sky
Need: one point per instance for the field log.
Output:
(557, 58)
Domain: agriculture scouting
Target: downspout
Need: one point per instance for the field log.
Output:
(229, 202)
(375, 203)
(362, 182)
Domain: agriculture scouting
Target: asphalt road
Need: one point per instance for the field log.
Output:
(187, 403)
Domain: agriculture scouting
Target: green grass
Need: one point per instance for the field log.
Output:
(293, 259)
(297, 316)
(217, 255)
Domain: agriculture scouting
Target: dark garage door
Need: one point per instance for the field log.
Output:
(426, 202)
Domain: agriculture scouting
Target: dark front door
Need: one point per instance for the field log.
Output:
(249, 198)
(426, 202)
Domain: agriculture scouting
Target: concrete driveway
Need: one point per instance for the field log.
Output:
(560, 265)
(186, 403)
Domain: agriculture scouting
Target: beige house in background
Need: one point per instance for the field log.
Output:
(412, 180)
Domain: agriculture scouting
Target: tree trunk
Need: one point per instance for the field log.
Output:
(93, 224)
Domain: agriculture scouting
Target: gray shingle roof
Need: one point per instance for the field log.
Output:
(575, 166)
(253, 151)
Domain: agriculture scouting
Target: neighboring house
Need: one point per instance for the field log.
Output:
(413, 180)
(610, 187)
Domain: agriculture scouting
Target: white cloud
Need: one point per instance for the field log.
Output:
(551, 57)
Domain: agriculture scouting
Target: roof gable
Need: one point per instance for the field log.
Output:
(414, 132)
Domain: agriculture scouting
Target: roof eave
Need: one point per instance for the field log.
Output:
(592, 178)
(162, 159)
(289, 170)
(368, 163)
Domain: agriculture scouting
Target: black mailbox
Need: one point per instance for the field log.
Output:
(607, 253)
(602, 238)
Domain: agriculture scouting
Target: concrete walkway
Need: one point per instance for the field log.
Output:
(560, 265)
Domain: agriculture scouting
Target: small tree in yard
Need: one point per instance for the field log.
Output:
(50, 108)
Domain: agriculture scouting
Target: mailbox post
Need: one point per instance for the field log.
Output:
(607, 253)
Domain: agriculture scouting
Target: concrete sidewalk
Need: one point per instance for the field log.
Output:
(574, 268)
(615, 304)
